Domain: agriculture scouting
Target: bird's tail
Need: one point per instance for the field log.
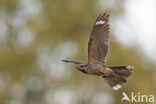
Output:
(119, 76)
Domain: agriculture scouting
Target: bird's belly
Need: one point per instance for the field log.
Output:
(96, 69)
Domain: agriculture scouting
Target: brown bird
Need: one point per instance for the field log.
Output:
(98, 48)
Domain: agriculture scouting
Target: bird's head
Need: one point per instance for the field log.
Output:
(82, 67)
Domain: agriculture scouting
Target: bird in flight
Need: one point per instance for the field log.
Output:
(98, 48)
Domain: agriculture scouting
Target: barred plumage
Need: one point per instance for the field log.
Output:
(98, 48)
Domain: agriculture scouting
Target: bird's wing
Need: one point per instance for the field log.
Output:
(98, 45)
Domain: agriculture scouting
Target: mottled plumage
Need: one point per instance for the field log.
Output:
(99, 41)
(98, 48)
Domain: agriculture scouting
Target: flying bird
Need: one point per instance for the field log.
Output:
(98, 48)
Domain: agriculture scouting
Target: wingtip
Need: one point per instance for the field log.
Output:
(64, 60)
(103, 14)
(106, 13)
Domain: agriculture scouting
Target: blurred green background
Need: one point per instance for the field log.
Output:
(36, 34)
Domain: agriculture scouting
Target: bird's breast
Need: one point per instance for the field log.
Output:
(95, 69)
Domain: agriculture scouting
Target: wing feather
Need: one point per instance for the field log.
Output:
(98, 45)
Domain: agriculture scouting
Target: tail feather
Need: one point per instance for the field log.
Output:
(115, 81)
(122, 71)
(119, 76)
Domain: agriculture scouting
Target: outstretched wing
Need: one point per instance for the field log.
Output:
(98, 45)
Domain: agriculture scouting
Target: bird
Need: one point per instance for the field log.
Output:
(98, 47)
